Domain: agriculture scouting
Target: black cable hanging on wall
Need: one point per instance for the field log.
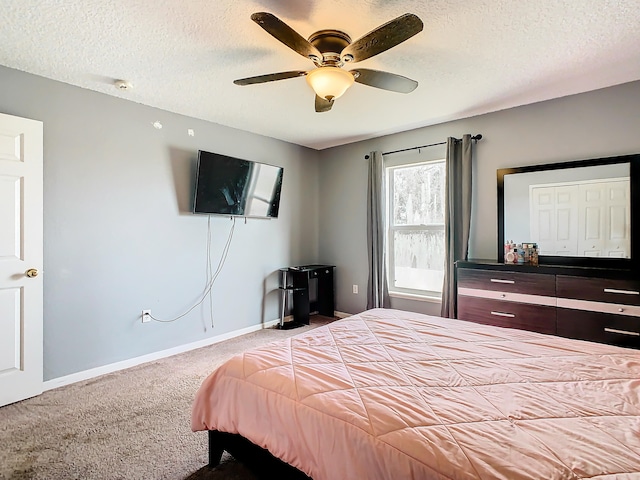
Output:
(476, 138)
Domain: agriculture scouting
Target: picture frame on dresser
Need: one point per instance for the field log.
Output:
(515, 205)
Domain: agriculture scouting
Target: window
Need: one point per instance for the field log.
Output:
(415, 220)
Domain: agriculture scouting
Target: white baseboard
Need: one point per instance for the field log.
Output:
(151, 357)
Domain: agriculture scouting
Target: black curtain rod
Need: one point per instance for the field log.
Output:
(475, 137)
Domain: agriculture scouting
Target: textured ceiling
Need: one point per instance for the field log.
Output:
(183, 55)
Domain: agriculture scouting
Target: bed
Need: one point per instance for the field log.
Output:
(388, 394)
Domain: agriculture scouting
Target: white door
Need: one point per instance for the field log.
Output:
(20, 256)
(604, 219)
(593, 213)
(542, 218)
(618, 220)
(566, 220)
(554, 218)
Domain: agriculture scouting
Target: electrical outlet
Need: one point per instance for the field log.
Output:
(146, 316)
(355, 289)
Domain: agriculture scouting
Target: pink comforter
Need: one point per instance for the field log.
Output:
(388, 394)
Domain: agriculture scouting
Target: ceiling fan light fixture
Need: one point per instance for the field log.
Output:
(329, 82)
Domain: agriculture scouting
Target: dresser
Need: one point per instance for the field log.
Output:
(600, 305)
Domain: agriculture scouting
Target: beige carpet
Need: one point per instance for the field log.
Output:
(132, 424)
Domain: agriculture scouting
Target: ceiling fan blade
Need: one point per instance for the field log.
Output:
(383, 38)
(322, 104)
(384, 80)
(287, 35)
(270, 77)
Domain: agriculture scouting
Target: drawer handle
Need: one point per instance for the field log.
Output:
(626, 292)
(501, 314)
(497, 280)
(623, 332)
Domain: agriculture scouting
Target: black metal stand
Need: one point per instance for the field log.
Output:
(296, 280)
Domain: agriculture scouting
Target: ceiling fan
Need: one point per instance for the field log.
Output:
(330, 50)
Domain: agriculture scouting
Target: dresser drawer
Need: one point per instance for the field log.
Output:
(625, 292)
(618, 330)
(524, 316)
(510, 282)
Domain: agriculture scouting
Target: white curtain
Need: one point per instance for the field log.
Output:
(377, 288)
(457, 216)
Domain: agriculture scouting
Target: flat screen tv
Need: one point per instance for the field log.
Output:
(232, 186)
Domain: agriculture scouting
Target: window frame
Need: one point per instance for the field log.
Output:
(402, 292)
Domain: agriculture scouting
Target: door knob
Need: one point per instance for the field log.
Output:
(32, 273)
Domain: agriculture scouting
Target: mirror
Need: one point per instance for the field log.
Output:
(578, 213)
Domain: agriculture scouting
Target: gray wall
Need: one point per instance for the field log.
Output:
(595, 124)
(119, 237)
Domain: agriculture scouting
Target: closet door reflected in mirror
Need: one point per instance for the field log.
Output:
(587, 218)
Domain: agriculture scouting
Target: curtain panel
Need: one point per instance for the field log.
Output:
(377, 287)
(457, 216)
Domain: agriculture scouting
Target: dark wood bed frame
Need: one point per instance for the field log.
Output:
(258, 460)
